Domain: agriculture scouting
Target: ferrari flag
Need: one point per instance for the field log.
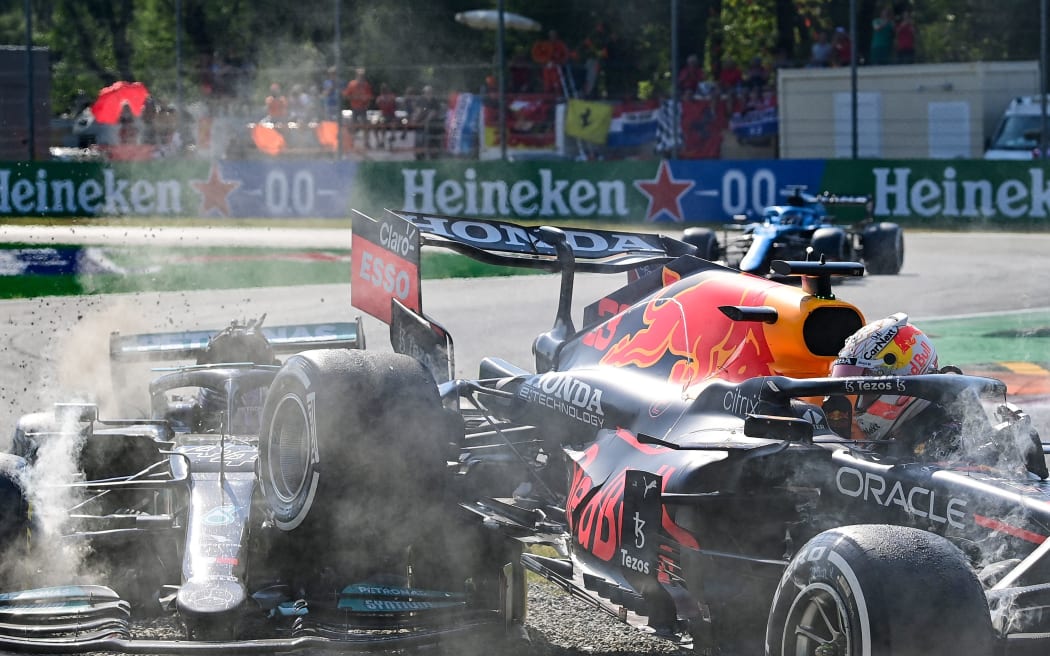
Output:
(588, 120)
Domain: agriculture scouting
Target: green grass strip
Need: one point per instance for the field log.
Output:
(1001, 337)
(168, 269)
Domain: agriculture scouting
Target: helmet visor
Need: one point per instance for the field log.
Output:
(848, 370)
(844, 370)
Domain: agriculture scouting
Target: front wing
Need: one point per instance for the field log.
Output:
(365, 618)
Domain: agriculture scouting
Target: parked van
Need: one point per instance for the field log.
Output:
(1017, 135)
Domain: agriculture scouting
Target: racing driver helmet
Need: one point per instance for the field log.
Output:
(887, 347)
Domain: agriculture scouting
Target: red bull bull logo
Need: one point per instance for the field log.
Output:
(595, 508)
(686, 334)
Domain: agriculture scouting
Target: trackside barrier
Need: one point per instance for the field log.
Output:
(943, 193)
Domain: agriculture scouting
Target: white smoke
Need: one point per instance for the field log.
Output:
(83, 366)
(80, 373)
(45, 557)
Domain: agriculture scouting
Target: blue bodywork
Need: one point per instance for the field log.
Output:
(788, 232)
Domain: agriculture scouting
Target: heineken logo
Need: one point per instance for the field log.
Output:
(900, 193)
(110, 195)
(541, 196)
(228, 189)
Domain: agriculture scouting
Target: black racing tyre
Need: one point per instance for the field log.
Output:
(832, 243)
(705, 241)
(15, 523)
(878, 590)
(883, 245)
(353, 447)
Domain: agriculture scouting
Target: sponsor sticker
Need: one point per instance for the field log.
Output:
(384, 265)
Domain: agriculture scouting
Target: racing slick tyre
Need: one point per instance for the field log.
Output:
(14, 515)
(705, 241)
(879, 590)
(353, 449)
(832, 243)
(883, 245)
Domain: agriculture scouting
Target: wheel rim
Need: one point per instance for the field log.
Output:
(290, 449)
(817, 624)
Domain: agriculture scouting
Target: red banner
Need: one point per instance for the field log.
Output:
(703, 122)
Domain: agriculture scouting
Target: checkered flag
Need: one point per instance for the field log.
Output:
(669, 130)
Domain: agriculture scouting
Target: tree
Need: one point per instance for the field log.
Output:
(407, 42)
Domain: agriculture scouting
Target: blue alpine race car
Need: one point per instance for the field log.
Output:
(803, 229)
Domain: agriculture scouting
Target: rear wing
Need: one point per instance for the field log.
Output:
(511, 244)
(385, 253)
(830, 199)
(187, 345)
(125, 351)
(385, 278)
(796, 195)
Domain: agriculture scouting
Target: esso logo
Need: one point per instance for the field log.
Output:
(385, 276)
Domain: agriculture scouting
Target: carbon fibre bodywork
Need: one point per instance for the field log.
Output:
(684, 448)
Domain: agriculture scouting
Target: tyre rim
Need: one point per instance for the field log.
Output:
(289, 449)
(817, 624)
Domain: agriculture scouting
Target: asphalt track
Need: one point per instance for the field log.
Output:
(963, 288)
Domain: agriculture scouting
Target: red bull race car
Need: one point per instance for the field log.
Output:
(681, 452)
(689, 460)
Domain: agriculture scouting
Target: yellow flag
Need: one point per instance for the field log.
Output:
(588, 120)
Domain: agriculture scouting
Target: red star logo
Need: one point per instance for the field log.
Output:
(214, 192)
(665, 193)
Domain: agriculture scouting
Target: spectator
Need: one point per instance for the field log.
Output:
(129, 131)
(882, 37)
(169, 135)
(330, 94)
(753, 100)
(730, 77)
(300, 104)
(520, 73)
(276, 104)
(552, 55)
(820, 51)
(359, 96)
(407, 102)
(427, 115)
(690, 77)
(149, 121)
(904, 38)
(841, 48)
(386, 103)
(757, 76)
(427, 107)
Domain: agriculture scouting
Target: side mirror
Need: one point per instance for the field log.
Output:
(778, 428)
